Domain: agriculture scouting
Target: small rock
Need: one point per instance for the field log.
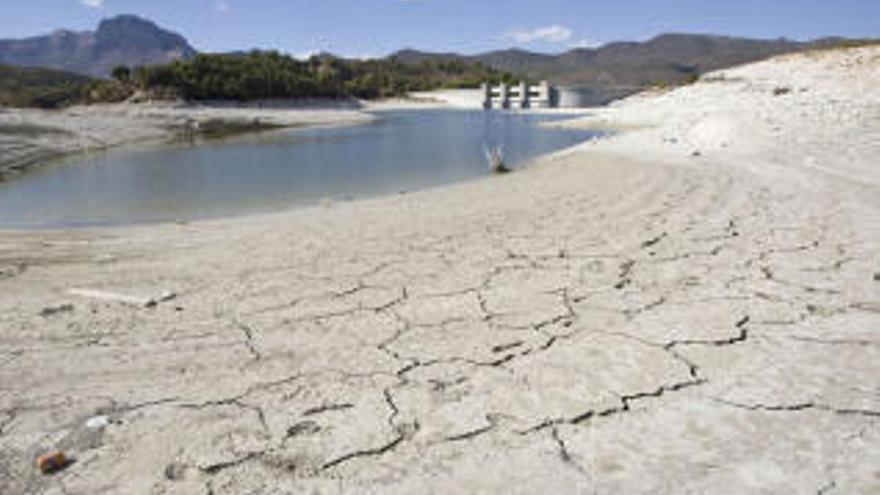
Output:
(303, 428)
(877, 277)
(695, 154)
(179, 472)
(781, 90)
(54, 310)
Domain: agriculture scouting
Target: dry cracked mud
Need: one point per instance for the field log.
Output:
(595, 324)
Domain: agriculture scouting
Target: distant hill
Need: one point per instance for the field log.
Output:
(629, 66)
(125, 39)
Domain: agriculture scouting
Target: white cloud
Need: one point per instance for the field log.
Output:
(93, 4)
(549, 34)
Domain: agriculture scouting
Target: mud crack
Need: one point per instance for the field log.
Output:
(800, 407)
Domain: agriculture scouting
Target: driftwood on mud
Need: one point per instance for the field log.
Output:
(495, 157)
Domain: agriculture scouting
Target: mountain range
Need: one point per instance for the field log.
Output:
(617, 70)
(666, 59)
(613, 69)
(125, 39)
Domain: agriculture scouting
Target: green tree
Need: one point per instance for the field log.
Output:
(121, 73)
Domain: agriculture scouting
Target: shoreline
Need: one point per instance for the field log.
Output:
(282, 212)
(31, 137)
(692, 302)
(371, 113)
(28, 137)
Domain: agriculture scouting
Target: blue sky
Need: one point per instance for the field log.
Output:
(378, 27)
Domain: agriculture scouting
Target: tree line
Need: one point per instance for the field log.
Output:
(249, 76)
(266, 75)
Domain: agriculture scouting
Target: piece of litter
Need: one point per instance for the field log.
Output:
(98, 422)
(52, 462)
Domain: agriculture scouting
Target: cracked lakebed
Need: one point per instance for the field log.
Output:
(595, 324)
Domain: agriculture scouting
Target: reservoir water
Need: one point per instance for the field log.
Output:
(400, 151)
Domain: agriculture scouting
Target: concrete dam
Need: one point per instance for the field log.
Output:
(546, 95)
(519, 96)
(527, 96)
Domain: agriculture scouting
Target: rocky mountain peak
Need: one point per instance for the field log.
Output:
(124, 39)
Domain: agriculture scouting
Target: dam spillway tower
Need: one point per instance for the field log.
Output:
(518, 96)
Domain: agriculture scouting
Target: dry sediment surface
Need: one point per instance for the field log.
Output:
(621, 318)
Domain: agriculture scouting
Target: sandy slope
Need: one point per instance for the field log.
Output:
(622, 318)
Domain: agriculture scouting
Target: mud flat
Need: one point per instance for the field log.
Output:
(691, 306)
